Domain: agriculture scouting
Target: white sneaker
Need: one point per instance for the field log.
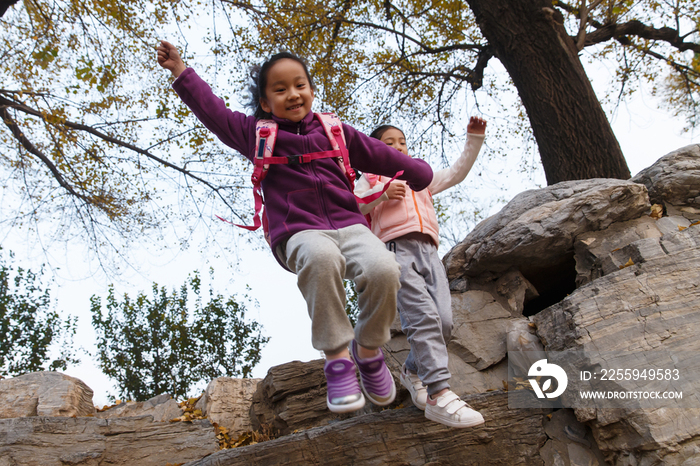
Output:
(450, 410)
(410, 380)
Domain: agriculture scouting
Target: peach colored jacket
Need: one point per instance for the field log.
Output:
(415, 212)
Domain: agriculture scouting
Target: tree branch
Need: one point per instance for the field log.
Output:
(639, 29)
(7, 103)
(32, 149)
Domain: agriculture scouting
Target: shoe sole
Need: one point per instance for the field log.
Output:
(392, 395)
(408, 386)
(346, 408)
(447, 422)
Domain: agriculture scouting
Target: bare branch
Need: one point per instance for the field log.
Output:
(639, 29)
(32, 149)
(7, 103)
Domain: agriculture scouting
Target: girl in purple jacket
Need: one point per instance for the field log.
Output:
(315, 225)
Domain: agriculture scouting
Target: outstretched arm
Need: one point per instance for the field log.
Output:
(169, 58)
(448, 177)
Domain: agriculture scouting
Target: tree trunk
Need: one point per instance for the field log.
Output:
(4, 5)
(573, 134)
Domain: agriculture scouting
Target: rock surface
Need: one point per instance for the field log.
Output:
(227, 402)
(161, 408)
(539, 226)
(674, 181)
(404, 436)
(60, 441)
(639, 310)
(44, 394)
(585, 265)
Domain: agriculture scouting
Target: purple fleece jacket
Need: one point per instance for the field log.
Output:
(311, 196)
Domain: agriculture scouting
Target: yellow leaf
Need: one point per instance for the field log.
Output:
(657, 211)
(681, 228)
(627, 264)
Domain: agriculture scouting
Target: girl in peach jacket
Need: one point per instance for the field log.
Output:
(405, 221)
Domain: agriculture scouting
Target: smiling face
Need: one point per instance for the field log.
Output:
(288, 92)
(395, 138)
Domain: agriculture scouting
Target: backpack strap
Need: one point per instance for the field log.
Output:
(334, 130)
(265, 137)
(373, 179)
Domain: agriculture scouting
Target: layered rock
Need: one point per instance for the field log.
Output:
(45, 394)
(641, 310)
(60, 441)
(674, 181)
(227, 402)
(161, 408)
(588, 266)
(404, 436)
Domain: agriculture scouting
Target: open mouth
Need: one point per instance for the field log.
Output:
(295, 107)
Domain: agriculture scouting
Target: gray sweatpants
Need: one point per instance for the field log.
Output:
(321, 259)
(425, 309)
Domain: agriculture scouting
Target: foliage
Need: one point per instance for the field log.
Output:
(157, 345)
(96, 143)
(93, 140)
(28, 328)
(352, 309)
(411, 59)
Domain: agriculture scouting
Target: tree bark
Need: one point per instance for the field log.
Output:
(574, 136)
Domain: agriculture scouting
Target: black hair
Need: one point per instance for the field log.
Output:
(258, 76)
(380, 130)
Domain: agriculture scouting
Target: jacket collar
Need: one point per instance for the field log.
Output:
(299, 127)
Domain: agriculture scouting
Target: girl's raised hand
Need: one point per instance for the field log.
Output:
(169, 58)
(396, 191)
(476, 125)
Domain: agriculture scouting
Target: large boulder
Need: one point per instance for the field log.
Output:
(88, 441)
(538, 227)
(45, 394)
(227, 401)
(640, 310)
(674, 181)
(161, 408)
(402, 437)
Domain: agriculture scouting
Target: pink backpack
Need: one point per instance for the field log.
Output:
(266, 135)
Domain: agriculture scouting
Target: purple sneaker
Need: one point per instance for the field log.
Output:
(344, 393)
(375, 378)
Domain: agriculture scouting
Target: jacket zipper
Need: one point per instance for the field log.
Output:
(415, 204)
(319, 185)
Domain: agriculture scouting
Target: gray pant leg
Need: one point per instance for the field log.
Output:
(425, 309)
(315, 257)
(376, 275)
(321, 259)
